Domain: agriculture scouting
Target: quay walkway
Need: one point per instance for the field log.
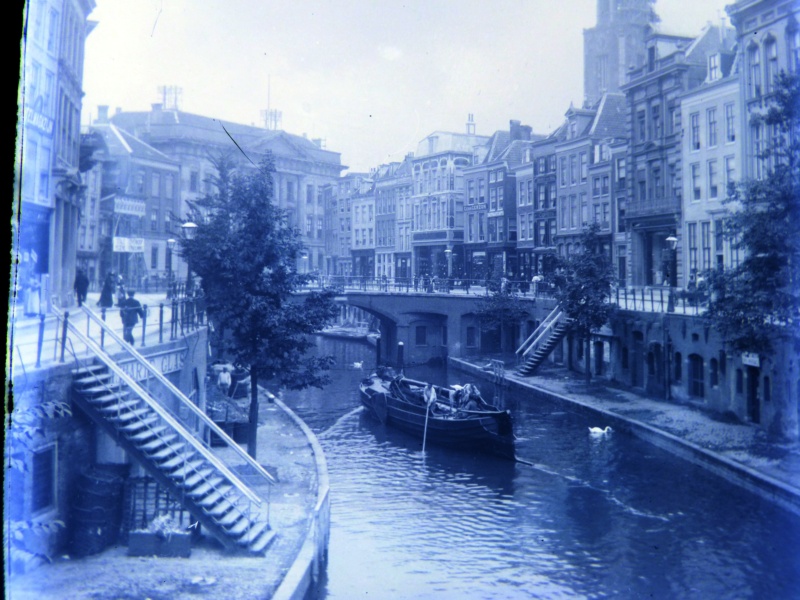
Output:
(299, 501)
(739, 452)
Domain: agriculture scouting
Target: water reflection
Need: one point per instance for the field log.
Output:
(611, 517)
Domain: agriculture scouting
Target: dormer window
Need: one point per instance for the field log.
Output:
(714, 72)
(573, 129)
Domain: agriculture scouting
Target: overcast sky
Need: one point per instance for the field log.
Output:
(371, 77)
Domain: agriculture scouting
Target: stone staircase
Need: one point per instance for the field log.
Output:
(541, 343)
(134, 414)
(165, 452)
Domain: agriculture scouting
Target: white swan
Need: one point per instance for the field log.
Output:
(599, 431)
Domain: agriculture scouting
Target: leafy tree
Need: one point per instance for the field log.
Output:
(501, 309)
(583, 288)
(245, 254)
(756, 302)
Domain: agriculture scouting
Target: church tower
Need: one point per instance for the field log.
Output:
(614, 44)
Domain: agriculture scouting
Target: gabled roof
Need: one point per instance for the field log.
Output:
(162, 125)
(120, 142)
(609, 122)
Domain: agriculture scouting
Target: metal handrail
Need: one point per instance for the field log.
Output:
(163, 413)
(533, 337)
(180, 395)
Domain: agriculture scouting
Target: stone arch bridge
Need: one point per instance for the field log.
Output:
(431, 325)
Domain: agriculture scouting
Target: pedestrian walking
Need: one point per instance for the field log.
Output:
(224, 381)
(107, 292)
(81, 286)
(130, 311)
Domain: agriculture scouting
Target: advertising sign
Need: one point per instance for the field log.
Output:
(750, 359)
(122, 244)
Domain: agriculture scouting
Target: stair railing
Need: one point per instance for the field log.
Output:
(535, 338)
(180, 396)
(164, 413)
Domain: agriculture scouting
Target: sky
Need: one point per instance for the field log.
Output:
(370, 77)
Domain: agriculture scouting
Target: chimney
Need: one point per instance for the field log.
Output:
(102, 114)
(470, 124)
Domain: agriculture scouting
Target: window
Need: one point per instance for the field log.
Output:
(154, 220)
(730, 171)
(695, 174)
(155, 185)
(481, 191)
(605, 185)
(154, 257)
(43, 477)
(696, 376)
(52, 30)
(713, 373)
(309, 225)
(530, 192)
(481, 222)
(692, 239)
(139, 182)
(655, 118)
(794, 50)
(541, 201)
(471, 230)
(493, 199)
(711, 115)
(500, 176)
(421, 338)
(309, 193)
(621, 172)
(521, 199)
(194, 181)
(713, 184)
(319, 228)
(719, 240)
(713, 67)
(730, 124)
(754, 71)
(573, 212)
(621, 215)
(705, 233)
(584, 166)
(695, 130)
(562, 204)
(552, 199)
(596, 186)
(562, 162)
(642, 125)
(771, 54)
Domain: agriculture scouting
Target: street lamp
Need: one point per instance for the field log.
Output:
(170, 247)
(189, 230)
(449, 254)
(673, 275)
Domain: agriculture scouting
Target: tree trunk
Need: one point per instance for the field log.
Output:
(252, 434)
(587, 358)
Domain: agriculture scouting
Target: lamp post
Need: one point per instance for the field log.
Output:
(170, 247)
(673, 268)
(189, 230)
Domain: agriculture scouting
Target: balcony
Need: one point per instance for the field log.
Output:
(651, 207)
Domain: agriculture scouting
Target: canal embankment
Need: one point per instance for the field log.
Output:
(299, 514)
(739, 452)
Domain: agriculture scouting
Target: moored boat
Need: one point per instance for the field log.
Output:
(457, 416)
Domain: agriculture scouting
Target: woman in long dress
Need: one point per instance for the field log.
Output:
(32, 303)
(107, 293)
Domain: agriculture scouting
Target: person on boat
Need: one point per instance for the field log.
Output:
(430, 395)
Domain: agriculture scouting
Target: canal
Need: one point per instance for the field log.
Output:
(591, 518)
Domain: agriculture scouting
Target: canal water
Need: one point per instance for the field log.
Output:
(608, 518)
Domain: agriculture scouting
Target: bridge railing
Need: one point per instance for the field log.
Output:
(431, 285)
